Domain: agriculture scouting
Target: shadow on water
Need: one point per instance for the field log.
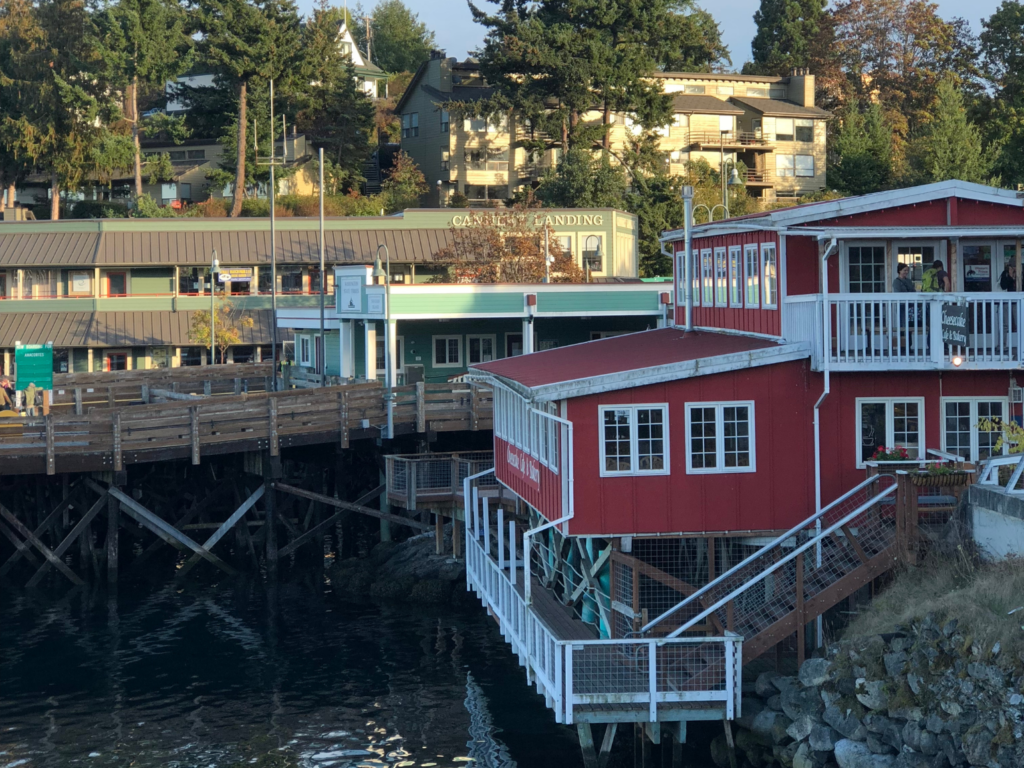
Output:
(245, 675)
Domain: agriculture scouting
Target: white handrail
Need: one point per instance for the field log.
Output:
(771, 545)
(792, 555)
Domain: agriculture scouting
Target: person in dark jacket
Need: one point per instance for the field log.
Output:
(1008, 280)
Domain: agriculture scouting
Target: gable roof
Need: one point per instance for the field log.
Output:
(634, 360)
(689, 103)
(780, 107)
(809, 213)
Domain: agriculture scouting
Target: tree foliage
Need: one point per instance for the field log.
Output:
(860, 155)
(404, 186)
(1000, 113)
(399, 41)
(506, 247)
(229, 322)
(786, 33)
(951, 146)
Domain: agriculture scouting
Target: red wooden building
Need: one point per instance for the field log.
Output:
(698, 463)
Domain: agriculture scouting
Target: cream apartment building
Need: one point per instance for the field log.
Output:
(768, 127)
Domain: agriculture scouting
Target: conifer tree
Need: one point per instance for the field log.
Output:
(951, 145)
(860, 156)
(786, 30)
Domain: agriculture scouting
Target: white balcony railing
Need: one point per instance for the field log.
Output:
(575, 674)
(905, 331)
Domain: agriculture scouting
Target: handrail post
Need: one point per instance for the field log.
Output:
(938, 347)
(652, 679)
(501, 539)
(512, 551)
(568, 682)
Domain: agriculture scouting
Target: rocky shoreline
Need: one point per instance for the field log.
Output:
(925, 696)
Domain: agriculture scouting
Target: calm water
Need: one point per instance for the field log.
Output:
(239, 676)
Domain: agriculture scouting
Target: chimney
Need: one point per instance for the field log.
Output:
(801, 87)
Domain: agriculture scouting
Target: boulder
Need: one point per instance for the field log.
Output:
(802, 758)
(895, 663)
(799, 702)
(977, 745)
(911, 735)
(879, 747)
(720, 751)
(763, 685)
(771, 726)
(872, 694)
(815, 672)
(846, 723)
(751, 708)
(853, 754)
(822, 738)
(912, 760)
(801, 727)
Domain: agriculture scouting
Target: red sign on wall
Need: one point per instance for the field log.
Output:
(523, 466)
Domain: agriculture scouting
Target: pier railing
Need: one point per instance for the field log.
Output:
(631, 679)
(426, 479)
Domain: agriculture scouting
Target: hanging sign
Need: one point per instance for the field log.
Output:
(34, 365)
(349, 295)
(954, 324)
(235, 273)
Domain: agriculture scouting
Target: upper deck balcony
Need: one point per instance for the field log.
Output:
(728, 140)
(916, 331)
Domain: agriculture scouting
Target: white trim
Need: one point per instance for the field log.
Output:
(707, 277)
(633, 440)
(304, 353)
(433, 351)
(735, 259)
(890, 443)
(844, 263)
(659, 374)
(975, 432)
(737, 332)
(720, 468)
(765, 303)
(751, 249)
(721, 278)
(481, 336)
(696, 277)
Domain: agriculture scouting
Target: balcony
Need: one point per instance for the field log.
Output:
(920, 331)
(758, 178)
(728, 139)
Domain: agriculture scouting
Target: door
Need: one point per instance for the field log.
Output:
(977, 267)
(117, 283)
(513, 344)
(160, 357)
(115, 361)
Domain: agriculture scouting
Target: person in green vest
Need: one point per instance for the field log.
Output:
(935, 279)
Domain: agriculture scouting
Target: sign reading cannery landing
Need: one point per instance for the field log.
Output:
(954, 324)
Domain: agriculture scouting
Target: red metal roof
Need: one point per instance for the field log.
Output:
(618, 354)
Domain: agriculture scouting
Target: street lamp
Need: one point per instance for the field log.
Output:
(214, 269)
(378, 272)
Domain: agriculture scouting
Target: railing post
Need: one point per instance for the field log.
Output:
(476, 511)
(487, 526)
(800, 620)
(568, 683)
(421, 408)
(78, 401)
(512, 551)
(652, 679)
(730, 678)
(938, 348)
(410, 485)
(527, 546)
(501, 539)
(559, 714)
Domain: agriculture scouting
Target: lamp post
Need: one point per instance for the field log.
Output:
(214, 269)
(323, 282)
(378, 272)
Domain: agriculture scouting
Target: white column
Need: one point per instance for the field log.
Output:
(392, 340)
(347, 349)
(370, 352)
(527, 336)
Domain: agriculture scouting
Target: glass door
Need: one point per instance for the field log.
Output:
(1008, 279)
(976, 260)
(117, 283)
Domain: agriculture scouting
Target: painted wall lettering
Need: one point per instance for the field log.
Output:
(564, 220)
(523, 465)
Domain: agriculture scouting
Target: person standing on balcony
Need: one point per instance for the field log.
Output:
(903, 283)
(935, 279)
(1008, 280)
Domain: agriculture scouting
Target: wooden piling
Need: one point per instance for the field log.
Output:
(113, 524)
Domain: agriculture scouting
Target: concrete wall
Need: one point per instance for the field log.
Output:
(997, 520)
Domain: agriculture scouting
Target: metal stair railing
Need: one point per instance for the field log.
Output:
(731, 599)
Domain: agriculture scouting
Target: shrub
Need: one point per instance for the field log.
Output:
(213, 208)
(98, 209)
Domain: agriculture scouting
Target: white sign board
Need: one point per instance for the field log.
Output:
(349, 298)
(375, 304)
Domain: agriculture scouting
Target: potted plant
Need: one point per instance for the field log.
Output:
(940, 476)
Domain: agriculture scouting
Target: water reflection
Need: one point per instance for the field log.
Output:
(241, 675)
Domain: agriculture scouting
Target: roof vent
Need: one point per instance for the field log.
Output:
(437, 54)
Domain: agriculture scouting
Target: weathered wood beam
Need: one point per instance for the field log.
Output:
(167, 394)
(39, 531)
(45, 551)
(353, 507)
(77, 531)
(226, 526)
(19, 545)
(323, 526)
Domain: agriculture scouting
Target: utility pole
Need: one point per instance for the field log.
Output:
(369, 36)
(272, 161)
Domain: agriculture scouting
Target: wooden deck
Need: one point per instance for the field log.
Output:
(93, 437)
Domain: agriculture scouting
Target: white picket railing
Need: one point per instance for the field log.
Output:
(989, 474)
(571, 673)
(882, 331)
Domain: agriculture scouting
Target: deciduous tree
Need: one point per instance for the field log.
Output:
(399, 41)
(229, 323)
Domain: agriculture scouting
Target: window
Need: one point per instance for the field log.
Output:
(695, 277)
(564, 242)
(177, 155)
(634, 440)
(475, 125)
(725, 90)
(446, 121)
(769, 268)
(918, 258)
(447, 351)
(776, 93)
(720, 437)
(784, 166)
(291, 279)
(446, 160)
(693, 89)
(960, 433)
(487, 159)
(892, 423)
(784, 129)
(382, 364)
(721, 278)
(805, 166)
(305, 349)
(531, 429)
(196, 154)
(757, 93)
(865, 269)
(707, 272)
(480, 349)
(752, 261)
(805, 130)
(410, 125)
(592, 259)
(735, 277)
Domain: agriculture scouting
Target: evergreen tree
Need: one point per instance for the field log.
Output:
(399, 41)
(786, 30)
(951, 146)
(581, 181)
(860, 155)
(17, 27)
(404, 186)
(1001, 113)
(333, 112)
(146, 44)
(245, 40)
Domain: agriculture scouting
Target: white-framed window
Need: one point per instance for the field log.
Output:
(565, 243)
(752, 262)
(770, 274)
(804, 166)
(784, 129)
(518, 423)
(410, 125)
(446, 160)
(693, 89)
(735, 277)
(757, 93)
(890, 422)
(960, 419)
(481, 348)
(399, 354)
(784, 166)
(695, 277)
(447, 351)
(805, 130)
(446, 121)
(593, 253)
(721, 278)
(865, 268)
(707, 271)
(634, 439)
(720, 437)
(917, 256)
(305, 350)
